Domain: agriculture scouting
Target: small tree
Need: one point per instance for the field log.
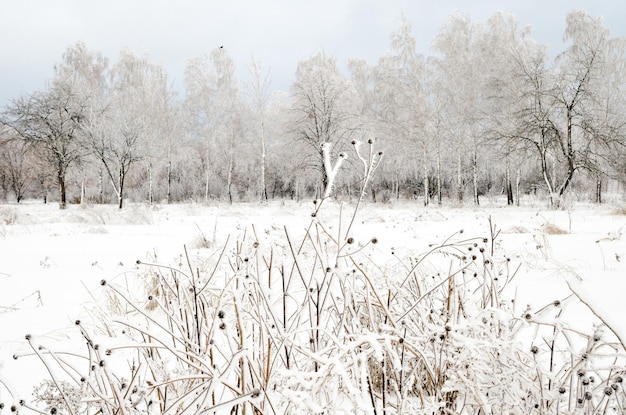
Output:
(50, 121)
(15, 166)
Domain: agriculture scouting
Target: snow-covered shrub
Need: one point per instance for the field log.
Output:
(320, 321)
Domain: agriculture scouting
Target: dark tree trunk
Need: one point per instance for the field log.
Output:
(62, 191)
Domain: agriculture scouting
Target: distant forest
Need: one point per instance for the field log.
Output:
(488, 114)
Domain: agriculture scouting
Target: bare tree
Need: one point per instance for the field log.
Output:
(259, 90)
(565, 118)
(323, 109)
(16, 165)
(401, 90)
(50, 121)
(213, 108)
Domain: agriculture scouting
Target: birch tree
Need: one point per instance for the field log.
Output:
(402, 90)
(213, 108)
(565, 117)
(259, 88)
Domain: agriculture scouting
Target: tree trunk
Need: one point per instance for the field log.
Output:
(426, 181)
(169, 180)
(101, 185)
(62, 191)
(263, 186)
(508, 185)
(150, 190)
(459, 176)
(82, 190)
(231, 167)
(518, 180)
(475, 176)
(598, 190)
(120, 193)
(439, 175)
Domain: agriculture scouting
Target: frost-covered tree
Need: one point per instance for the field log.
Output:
(568, 115)
(50, 120)
(259, 94)
(403, 105)
(16, 165)
(324, 107)
(118, 136)
(213, 107)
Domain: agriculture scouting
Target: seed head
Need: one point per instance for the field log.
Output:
(534, 349)
(220, 314)
(608, 391)
(103, 282)
(350, 240)
(588, 396)
(562, 390)
(374, 240)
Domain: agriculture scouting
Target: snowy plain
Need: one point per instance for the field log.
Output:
(52, 261)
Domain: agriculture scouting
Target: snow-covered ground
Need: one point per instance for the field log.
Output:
(52, 261)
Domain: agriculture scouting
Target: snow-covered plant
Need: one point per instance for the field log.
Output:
(319, 321)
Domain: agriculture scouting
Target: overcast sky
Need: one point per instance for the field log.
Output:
(278, 33)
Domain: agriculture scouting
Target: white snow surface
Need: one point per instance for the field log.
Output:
(51, 260)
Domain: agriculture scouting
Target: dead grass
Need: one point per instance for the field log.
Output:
(516, 229)
(619, 210)
(552, 229)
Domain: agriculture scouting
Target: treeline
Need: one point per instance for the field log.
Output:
(489, 113)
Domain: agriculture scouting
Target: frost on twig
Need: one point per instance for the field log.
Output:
(370, 162)
(329, 169)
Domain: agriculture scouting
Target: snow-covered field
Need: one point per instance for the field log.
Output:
(52, 263)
